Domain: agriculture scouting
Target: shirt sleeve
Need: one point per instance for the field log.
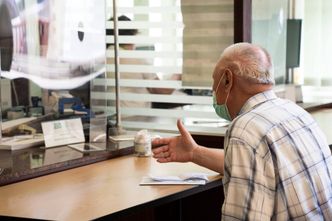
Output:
(249, 183)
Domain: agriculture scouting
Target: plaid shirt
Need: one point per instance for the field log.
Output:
(278, 165)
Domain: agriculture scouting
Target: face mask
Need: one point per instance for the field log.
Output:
(221, 109)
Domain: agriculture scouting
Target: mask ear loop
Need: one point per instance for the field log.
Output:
(219, 84)
(218, 87)
(228, 92)
(227, 97)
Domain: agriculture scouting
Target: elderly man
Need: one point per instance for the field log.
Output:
(276, 162)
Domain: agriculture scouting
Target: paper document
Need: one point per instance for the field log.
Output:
(63, 132)
(183, 179)
(123, 137)
(88, 147)
(21, 142)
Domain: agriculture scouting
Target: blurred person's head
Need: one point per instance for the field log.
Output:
(128, 32)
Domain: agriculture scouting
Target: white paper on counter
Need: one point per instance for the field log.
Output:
(183, 179)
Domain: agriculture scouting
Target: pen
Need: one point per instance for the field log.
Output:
(208, 122)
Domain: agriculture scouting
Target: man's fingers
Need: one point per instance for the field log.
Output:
(164, 160)
(160, 141)
(160, 149)
(161, 155)
(182, 129)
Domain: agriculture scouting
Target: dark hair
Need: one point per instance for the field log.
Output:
(121, 31)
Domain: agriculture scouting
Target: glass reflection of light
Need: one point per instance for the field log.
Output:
(46, 46)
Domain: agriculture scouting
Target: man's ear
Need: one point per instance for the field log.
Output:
(228, 79)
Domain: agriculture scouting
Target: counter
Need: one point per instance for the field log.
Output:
(33, 162)
(323, 118)
(109, 188)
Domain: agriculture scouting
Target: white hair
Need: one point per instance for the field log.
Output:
(249, 61)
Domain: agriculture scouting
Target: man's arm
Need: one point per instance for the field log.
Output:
(249, 183)
(210, 158)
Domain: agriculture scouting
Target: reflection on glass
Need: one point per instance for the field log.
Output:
(56, 41)
(269, 31)
(52, 52)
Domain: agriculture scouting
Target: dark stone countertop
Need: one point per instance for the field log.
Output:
(33, 162)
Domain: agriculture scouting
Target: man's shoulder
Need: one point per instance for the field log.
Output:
(250, 127)
(255, 124)
(273, 112)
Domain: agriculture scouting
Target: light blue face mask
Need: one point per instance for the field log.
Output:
(221, 109)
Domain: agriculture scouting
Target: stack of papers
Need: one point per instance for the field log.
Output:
(21, 142)
(183, 179)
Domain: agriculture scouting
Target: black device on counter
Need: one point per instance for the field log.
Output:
(36, 110)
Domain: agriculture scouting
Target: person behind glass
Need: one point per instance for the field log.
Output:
(140, 76)
(276, 162)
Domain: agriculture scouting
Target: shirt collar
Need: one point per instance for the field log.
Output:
(257, 99)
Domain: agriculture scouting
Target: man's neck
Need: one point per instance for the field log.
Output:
(240, 96)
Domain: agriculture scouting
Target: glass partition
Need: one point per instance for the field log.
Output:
(168, 50)
(269, 24)
(52, 53)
